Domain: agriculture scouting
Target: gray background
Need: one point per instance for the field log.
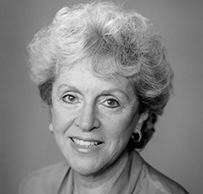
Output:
(26, 145)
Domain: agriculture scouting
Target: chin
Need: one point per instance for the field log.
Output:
(85, 170)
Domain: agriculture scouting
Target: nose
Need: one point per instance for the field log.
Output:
(87, 119)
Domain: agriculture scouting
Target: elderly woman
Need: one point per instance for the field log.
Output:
(104, 75)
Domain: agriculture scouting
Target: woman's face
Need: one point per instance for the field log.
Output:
(93, 119)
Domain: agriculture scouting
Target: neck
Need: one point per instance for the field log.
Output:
(102, 182)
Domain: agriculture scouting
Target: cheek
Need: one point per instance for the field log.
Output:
(117, 141)
(120, 130)
(61, 120)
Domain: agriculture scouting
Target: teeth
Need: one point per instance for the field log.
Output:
(84, 143)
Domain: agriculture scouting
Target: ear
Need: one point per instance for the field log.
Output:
(142, 119)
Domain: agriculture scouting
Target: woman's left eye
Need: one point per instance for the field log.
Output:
(111, 103)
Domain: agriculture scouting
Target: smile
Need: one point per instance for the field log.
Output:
(84, 143)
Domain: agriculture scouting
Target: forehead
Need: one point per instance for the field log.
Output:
(82, 75)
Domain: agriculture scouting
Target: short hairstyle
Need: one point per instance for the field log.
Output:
(117, 42)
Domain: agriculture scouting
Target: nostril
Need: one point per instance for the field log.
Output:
(97, 123)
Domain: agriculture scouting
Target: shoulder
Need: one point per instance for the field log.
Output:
(158, 182)
(44, 180)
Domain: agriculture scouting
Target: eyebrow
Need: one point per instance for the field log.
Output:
(106, 92)
(69, 86)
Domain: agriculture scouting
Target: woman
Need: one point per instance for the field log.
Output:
(104, 75)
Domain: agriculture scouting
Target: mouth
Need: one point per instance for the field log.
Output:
(85, 143)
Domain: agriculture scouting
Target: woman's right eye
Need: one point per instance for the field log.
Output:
(69, 98)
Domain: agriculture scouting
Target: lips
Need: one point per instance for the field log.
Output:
(85, 143)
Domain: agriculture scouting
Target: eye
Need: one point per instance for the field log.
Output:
(69, 98)
(111, 103)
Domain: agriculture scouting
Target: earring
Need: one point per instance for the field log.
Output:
(137, 136)
(51, 128)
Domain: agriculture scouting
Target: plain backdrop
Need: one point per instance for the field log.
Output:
(26, 144)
